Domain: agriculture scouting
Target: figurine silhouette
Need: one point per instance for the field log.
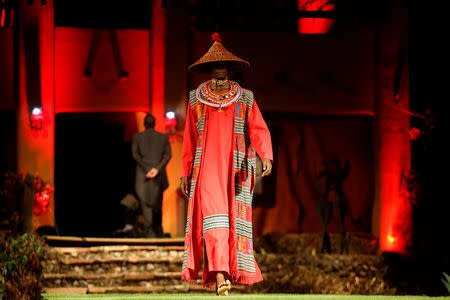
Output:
(334, 178)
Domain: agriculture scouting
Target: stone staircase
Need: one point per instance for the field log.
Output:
(290, 263)
(116, 269)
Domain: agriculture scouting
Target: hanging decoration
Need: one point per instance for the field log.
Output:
(315, 24)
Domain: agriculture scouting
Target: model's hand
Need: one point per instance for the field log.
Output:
(184, 186)
(267, 167)
(152, 173)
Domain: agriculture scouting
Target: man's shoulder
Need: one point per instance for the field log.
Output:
(161, 135)
(150, 132)
(137, 134)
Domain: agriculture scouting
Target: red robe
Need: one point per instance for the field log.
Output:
(213, 196)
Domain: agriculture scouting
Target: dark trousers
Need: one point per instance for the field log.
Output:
(152, 222)
(150, 196)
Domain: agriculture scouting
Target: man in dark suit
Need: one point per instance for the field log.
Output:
(151, 150)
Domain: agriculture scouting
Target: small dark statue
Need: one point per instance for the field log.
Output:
(334, 178)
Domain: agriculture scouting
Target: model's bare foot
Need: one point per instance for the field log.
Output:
(222, 285)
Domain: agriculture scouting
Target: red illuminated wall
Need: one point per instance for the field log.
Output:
(102, 91)
(158, 61)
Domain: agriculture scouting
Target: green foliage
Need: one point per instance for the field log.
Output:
(12, 191)
(446, 282)
(20, 254)
(11, 201)
(20, 266)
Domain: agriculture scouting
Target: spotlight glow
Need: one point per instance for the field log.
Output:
(36, 117)
(170, 115)
(391, 239)
(36, 111)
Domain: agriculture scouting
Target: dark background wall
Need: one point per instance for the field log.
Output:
(293, 73)
(8, 132)
(429, 65)
(7, 101)
(94, 170)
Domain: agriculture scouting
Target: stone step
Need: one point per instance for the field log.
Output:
(138, 289)
(71, 241)
(116, 248)
(113, 259)
(124, 276)
(110, 282)
(179, 288)
(115, 254)
(123, 289)
(65, 290)
(182, 288)
(55, 268)
(115, 269)
(125, 260)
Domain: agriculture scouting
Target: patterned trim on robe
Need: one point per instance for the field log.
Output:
(185, 255)
(245, 166)
(219, 221)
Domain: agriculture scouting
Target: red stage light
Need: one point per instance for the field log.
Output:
(36, 117)
(391, 239)
(170, 121)
(315, 25)
(2, 18)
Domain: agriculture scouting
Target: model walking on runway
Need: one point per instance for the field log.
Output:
(224, 127)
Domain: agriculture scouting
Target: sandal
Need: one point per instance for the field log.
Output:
(223, 288)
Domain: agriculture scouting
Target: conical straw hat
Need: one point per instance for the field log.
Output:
(218, 53)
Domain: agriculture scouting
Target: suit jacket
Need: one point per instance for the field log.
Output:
(151, 149)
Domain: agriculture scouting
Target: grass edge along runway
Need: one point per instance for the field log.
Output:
(232, 297)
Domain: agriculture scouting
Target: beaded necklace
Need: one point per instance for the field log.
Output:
(219, 81)
(205, 95)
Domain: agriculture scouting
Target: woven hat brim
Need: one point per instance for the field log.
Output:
(205, 67)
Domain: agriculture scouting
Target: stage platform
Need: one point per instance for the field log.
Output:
(74, 241)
